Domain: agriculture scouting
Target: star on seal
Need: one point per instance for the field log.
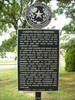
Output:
(39, 14)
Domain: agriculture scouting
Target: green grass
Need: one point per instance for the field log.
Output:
(9, 91)
(66, 88)
(8, 86)
(8, 62)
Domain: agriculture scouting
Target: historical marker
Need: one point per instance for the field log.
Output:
(38, 60)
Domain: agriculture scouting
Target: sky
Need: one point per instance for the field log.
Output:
(59, 23)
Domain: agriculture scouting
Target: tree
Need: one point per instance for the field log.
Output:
(70, 59)
(9, 14)
(68, 8)
(10, 44)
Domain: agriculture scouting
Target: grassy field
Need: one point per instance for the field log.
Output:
(8, 61)
(8, 87)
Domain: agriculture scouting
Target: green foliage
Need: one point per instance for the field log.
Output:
(70, 59)
(68, 45)
(9, 13)
(2, 54)
(70, 28)
(65, 1)
(67, 7)
(9, 45)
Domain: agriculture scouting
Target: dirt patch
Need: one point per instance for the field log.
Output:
(0, 81)
(7, 82)
(65, 78)
(29, 94)
(72, 83)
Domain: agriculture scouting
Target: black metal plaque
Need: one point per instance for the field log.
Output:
(38, 60)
